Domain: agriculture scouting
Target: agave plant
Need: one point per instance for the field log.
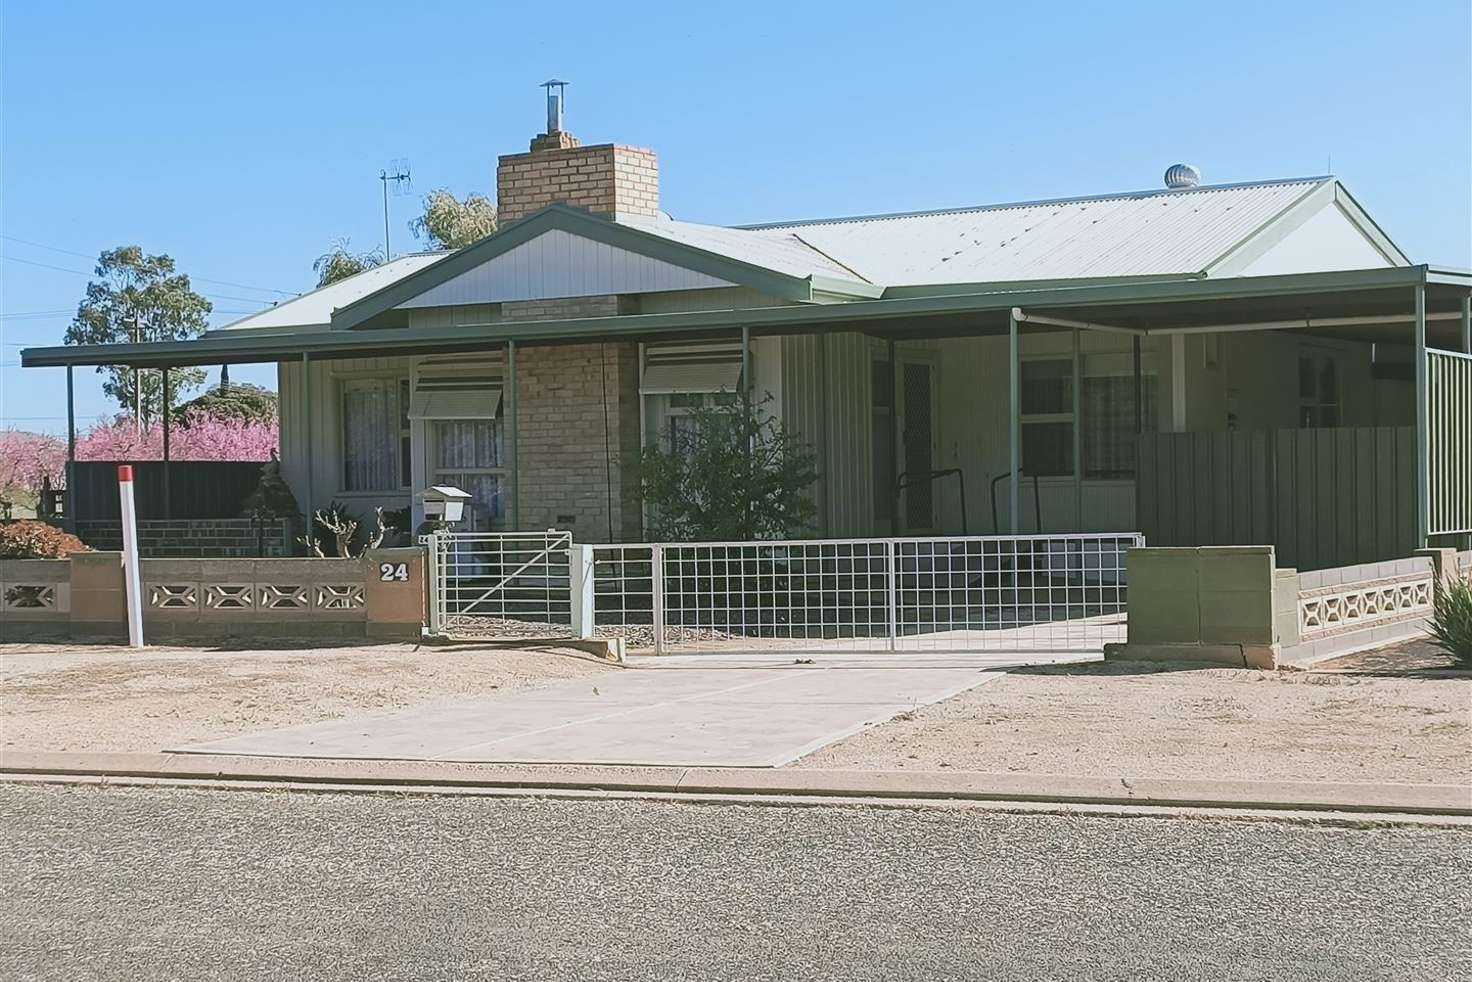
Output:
(1451, 622)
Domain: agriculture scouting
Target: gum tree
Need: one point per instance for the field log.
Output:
(140, 298)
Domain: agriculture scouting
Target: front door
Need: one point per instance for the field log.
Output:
(917, 434)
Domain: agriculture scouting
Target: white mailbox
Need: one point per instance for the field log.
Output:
(443, 503)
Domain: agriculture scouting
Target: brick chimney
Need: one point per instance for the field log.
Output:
(607, 179)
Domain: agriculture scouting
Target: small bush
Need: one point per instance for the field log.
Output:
(1451, 622)
(37, 540)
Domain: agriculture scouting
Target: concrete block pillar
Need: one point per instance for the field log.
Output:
(1444, 568)
(1225, 605)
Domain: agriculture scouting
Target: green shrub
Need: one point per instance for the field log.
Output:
(37, 540)
(1451, 622)
(728, 471)
(272, 497)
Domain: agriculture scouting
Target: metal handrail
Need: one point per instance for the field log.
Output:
(1037, 502)
(927, 477)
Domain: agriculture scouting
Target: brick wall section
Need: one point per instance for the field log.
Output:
(565, 308)
(569, 449)
(201, 538)
(607, 179)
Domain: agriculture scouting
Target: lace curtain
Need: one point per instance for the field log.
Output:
(370, 435)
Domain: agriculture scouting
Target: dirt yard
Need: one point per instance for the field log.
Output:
(77, 697)
(1388, 715)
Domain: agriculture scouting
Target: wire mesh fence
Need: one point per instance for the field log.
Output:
(507, 584)
(941, 594)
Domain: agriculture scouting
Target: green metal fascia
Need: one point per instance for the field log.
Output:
(999, 286)
(582, 223)
(844, 289)
(1448, 276)
(441, 338)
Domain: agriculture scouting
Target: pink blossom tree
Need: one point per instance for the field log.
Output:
(27, 459)
(205, 438)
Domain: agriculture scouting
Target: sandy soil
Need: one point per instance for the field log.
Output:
(1383, 716)
(72, 697)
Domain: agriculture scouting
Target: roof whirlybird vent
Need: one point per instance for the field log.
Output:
(1179, 176)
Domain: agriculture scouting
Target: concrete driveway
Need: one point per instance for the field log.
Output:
(719, 716)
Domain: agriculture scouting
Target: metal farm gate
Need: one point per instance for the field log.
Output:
(498, 584)
(937, 594)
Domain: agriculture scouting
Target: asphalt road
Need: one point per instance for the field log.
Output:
(186, 884)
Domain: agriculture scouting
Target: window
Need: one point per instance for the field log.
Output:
(679, 423)
(406, 458)
(375, 434)
(1106, 415)
(470, 454)
(881, 412)
(1318, 390)
(1109, 425)
(1047, 417)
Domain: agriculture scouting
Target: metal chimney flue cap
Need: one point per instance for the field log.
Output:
(1178, 176)
(556, 92)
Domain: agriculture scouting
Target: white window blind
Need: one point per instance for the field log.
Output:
(696, 366)
(457, 390)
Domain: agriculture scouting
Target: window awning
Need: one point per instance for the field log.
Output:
(699, 367)
(478, 403)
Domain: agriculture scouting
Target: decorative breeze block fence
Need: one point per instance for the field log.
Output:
(381, 595)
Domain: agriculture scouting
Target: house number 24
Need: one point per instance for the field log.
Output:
(389, 572)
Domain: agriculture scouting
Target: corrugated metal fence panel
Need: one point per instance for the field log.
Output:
(1449, 384)
(1323, 498)
(197, 489)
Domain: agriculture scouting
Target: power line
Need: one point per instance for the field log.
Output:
(28, 419)
(83, 272)
(202, 279)
(33, 314)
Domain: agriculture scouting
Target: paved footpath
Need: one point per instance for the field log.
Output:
(734, 717)
(152, 883)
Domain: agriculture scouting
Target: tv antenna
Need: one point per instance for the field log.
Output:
(397, 174)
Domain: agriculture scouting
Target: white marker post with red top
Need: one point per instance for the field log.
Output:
(132, 582)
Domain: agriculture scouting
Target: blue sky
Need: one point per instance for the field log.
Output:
(242, 139)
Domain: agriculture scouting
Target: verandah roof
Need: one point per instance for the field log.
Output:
(1380, 299)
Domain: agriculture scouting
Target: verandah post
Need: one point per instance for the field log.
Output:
(68, 515)
(308, 415)
(1014, 419)
(896, 441)
(1078, 436)
(168, 509)
(514, 512)
(1423, 420)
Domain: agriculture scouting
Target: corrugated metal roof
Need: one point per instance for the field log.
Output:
(315, 308)
(1135, 234)
(779, 251)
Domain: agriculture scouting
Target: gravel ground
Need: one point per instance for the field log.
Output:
(1386, 715)
(148, 883)
(102, 697)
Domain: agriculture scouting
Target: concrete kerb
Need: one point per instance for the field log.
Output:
(603, 649)
(836, 785)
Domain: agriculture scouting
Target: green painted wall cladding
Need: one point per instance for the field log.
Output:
(1321, 497)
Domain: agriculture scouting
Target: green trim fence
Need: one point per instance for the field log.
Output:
(1323, 498)
(1449, 383)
